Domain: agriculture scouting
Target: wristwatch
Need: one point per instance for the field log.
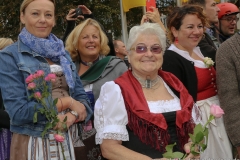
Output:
(75, 114)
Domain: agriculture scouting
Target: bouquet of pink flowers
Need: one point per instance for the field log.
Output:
(38, 84)
(200, 134)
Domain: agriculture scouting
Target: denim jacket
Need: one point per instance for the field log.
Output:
(16, 63)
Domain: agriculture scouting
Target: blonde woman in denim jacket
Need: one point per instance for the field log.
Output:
(38, 49)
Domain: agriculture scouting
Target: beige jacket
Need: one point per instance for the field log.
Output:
(228, 81)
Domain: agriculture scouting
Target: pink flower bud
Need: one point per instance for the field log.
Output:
(37, 95)
(31, 85)
(30, 78)
(59, 138)
(216, 111)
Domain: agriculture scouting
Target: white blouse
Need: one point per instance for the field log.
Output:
(110, 115)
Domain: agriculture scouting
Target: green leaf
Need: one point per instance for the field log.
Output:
(168, 155)
(41, 110)
(204, 146)
(35, 117)
(195, 153)
(177, 155)
(44, 132)
(192, 137)
(54, 123)
(64, 126)
(199, 137)
(55, 101)
(48, 125)
(65, 119)
(169, 147)
(198, 128)
(53, 113)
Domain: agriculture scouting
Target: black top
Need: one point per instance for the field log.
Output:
(4, 117)
(136, 145)
(183, 69)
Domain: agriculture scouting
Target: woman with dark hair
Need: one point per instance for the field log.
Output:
(185, 60)
(5, 134)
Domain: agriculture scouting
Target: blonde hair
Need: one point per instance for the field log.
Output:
(24, 5)
(4, 42)
(72, 40)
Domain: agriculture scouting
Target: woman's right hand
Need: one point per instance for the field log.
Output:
(70, 15)
(187, 148)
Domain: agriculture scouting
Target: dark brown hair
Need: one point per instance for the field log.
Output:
(197, 2)
(176, 17)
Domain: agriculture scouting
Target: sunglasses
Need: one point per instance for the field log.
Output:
(142, 48)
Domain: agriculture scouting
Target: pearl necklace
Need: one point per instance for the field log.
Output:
(148, 84)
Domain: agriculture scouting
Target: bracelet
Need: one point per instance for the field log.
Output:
(61, 104)
(71, 103)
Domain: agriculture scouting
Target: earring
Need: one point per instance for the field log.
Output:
(176, 40)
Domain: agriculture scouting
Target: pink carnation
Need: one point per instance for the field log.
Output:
(59, 138)
(31, 85)
(50, 77)
(30, 78)
(37, 95)
(216, 111)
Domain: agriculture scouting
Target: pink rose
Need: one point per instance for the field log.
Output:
(31, 85)
(30, 78)
(40, 73)
(37, 95)
(50, 77)
(59, 138)
(216, 111)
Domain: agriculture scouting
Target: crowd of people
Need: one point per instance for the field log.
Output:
(121, 101)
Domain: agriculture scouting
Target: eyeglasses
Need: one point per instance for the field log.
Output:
(142, 48)
(231, 19)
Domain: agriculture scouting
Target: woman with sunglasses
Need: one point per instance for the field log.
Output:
(145, 109)
(185, 60)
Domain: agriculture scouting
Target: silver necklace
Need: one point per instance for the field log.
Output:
(148, 83)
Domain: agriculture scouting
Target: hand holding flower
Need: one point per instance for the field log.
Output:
(37, 84)
(198, 138)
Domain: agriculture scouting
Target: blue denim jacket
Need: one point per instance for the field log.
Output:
(16, 63)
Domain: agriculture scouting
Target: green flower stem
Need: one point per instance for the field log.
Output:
(209, 120)
(62, 151)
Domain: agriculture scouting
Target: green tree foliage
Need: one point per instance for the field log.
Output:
(107, 12)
